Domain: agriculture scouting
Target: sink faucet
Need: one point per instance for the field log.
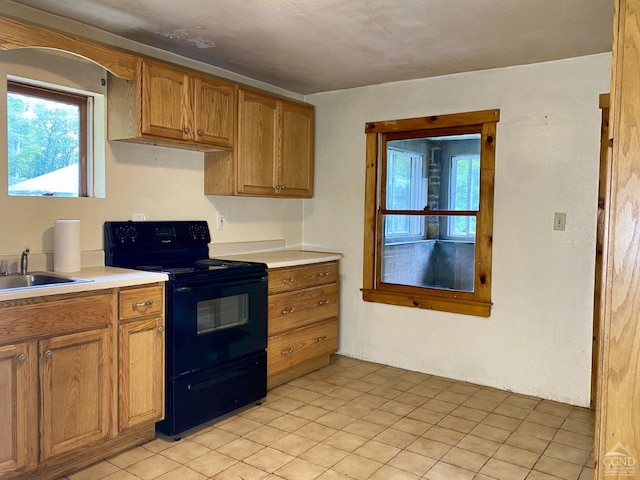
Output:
(24, 262)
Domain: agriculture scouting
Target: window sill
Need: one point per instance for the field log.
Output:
(428, 302)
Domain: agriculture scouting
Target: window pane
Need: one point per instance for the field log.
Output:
(43, 146)
(405, 190)
(465, 182)
(434, 262)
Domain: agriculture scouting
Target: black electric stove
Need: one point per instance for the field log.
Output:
(215, 315)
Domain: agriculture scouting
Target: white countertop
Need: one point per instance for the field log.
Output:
(100, 278)
(111, 277)
(285, 258)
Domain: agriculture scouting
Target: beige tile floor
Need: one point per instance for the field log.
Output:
(361, 420)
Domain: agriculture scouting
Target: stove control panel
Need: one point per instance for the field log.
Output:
(125, 235)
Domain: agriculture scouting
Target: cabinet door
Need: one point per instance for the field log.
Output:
(75, 384)
(214, 108)
(257, 150)
(141, 386)
(19, 407)
(166, 102)
(296, 163)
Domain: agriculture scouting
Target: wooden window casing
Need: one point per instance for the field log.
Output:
(476, 302)
(70, 98)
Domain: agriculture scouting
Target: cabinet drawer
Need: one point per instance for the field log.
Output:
(54, 315)
(295, 309)
(292, 348)
(294, 278)
(140, 301)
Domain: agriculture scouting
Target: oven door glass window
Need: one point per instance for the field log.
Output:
(221, 313)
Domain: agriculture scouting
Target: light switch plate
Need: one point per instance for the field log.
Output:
(221, 223)
(559, 221)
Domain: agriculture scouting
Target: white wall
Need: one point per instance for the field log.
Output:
(538, 338)
(163, 183)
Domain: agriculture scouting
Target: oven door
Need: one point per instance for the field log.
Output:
(212, 323)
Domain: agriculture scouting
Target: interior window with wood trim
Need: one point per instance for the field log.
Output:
(429, 212)
(49, 141)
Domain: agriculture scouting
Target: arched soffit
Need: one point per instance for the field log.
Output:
(14, 34)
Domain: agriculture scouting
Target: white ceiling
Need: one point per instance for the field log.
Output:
(310, 46)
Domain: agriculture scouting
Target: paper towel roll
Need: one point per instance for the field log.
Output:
(66, 246)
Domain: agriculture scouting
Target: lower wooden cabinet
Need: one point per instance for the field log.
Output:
(19, 411)
(78, 386)
(75, 389)
(303, 320)
(141, 369)
(140, 355)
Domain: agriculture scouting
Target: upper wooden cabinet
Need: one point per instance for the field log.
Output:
(296, 158)
(173, 107)
(274, 152)
(257, 150)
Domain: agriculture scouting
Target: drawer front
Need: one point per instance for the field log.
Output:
(139, 302)
(302, 307)
(44, 316)
(294, 278)
(292, 348)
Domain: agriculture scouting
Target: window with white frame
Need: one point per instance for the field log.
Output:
(464, 194)
(405, 191)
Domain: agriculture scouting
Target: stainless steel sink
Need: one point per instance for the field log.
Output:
(35, 279)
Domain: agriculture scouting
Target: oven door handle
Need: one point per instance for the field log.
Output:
(219, 378)
(221, 284)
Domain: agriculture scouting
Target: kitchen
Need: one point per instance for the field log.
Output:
(550, 119)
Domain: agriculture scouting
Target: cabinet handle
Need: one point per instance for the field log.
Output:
(287, 351)
(323, 302)
(277, 187)
(161, 329)
(148, 303)
(283, 187)
(48, 353)
(22, 357)
(200, 132)
(324, 274)
(186, 130)
(323, 339)
(289, 311)
(289, 280)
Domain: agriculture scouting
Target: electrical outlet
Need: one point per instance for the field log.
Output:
(559, 221)
(222, 221)
(139, 217)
